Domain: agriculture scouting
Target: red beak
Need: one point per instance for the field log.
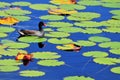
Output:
(45, 25)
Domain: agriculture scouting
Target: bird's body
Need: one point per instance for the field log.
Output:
(39, 33)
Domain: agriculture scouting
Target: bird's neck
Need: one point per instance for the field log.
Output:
(40, 28)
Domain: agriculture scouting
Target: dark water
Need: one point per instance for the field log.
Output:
(75, 62)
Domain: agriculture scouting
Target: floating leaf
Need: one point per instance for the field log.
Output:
(115, 51)
(21, 3)
(115, 12)
(72, 7)
(59, 24)
(78, 78)
(99, 39)
(115, 70)
(8, 68)
(3, 14)
(63, 1)
(57, 34)
(116, 17)
(70, 29)
(95, 54)
(6, 29)
(31, 39)
(89, 3)
(107, 61)
(82, 16)
(111, 5)
(42, 6)
(8, 21)
(2, 35)
(112, 30)
(91, 31)
(17, 12)
(46, 55)
(0, 56)
(50, 63)
(59, 41)
(110, 45)
(48, 29)
(88, 24)
(4, 4)
(52, 17)
(22, 18)
(109, 1)
(9, 62)
(85, 43)
(31, 73)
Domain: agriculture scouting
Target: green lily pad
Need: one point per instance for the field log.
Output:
(57, 34)
(22, 18)
(9, 62)
(89, 3)
(59, 41)
(72, 7)
(31, 39)
(50, 63)
(110, 1)
(115, 12)
(99, 39)
(31, 73)
(52, 17)
(112, 30)
(2, 35)
(21, 3)
(82, 16)
(59, 24)
(111, 5)
(3, 14)
(48, 30)
(42, 6)
(8, 68)
(2, 46)
(70, 29)
(91, 31)
(115, 70)
(4, 4)
(110, 45)
(95, 54)
(107, 61)
(46, 55)
(116, 17)
(78, 78)
(12, 52)
(88, 24)
(85, 43)
(17, 12)
(115, 51)
(6, 29)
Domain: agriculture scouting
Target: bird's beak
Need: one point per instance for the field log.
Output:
(45, 25)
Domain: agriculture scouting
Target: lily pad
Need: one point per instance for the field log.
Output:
(115, 51)
(99, 39)
(115, 12)
(52, 17)
(31, 73)
(110, 45)
(89, 3)
(9, 62)
(31, 39)
(70, 29)
(72, 7)
(82, 16)
(109, 1)
(4, 4)
(88, 24)
(21, 3)
(59, 41)
(17, 12)
(107, 61)
(6, 29)
(57, 34)
(112, 30)
(8, 68)
(116, 17)
(85, 43)
(95, 54)
(42, 6)
(48, 30)
(3, 14)
(91, 31)
(62, 2)
(59, 24)
(22, 18)
(111, 5)
(116, 70)
(50, 63)
(2, 35)
(78, 78)
(46, 55)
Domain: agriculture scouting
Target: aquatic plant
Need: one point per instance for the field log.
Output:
(78, 78)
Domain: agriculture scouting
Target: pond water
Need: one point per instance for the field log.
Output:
(76, 63)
